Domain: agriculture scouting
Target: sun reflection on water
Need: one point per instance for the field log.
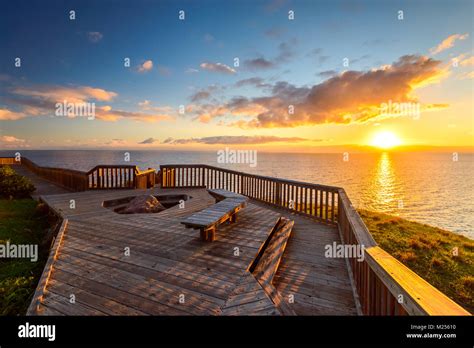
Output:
(384, 184)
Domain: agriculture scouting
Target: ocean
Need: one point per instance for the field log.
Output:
(430, 188)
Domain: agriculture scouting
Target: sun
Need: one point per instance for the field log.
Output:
(385, 140)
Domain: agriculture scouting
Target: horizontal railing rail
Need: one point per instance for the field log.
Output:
(317, 201)
(70, 179)
(100, 177)
(383, 285)
(9, 161)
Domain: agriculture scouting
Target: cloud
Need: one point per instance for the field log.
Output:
(106, 113)
(191, 71)
(353, 96)
(253, 81)
(116, 142)
(94, 36)
(10, 141)
(148, 141)
(286, 51)
(53, 94)
(466, 76)
(40, 100)
(258, 64)
(467, 62)
(146, 66)
(275, 32)
(327, 73)
(9, 115)
(448, 43)
(217, 67)
(200, 95)
(235, 139)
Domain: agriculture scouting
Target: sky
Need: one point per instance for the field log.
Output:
(274, 75)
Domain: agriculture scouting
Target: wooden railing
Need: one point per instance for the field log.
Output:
(9, 161)
(111, 177)
(99, 177)
(382, 284)
(317, 201)
(72, 180)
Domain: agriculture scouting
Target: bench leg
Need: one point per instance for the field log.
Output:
(208, 235)
(233, 218)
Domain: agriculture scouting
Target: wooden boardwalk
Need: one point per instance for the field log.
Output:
(43, 186)
(270, 262)
(170, 271)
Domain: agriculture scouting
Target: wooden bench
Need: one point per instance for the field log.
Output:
(228, 204)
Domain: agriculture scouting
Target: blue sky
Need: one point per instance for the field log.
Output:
(90, 50)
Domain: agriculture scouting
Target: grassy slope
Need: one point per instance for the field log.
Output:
(21, 223)
(428, 251)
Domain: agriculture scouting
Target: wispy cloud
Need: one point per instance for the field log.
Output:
(236, 139)
(10, 141)
(10, 115)
(448, 43)
(94, 36)
(286, 51)
(149, 141)
(217, 67)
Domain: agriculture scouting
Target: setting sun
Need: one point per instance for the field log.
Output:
(385, 140)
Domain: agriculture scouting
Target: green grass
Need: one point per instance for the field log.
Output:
(21, 222)
(428, 251)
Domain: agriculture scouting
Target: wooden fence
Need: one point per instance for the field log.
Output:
(9, 161)
(383, 285)
(317, 201)
(99, 177)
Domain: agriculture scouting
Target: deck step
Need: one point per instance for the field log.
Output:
(266, 264)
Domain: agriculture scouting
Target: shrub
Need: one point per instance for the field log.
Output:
(14, 185)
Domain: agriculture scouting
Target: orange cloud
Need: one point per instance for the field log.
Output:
(6, 114)
(352, 96)
(146, 66)
(106, 113)
(54, 94)
(9, 141)
(448, 43)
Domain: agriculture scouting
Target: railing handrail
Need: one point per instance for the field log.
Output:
(361, 232)
(102, 166)
(284, 181)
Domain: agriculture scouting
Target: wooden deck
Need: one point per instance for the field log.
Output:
(170, 271)
(104, 263)
(43, 186)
